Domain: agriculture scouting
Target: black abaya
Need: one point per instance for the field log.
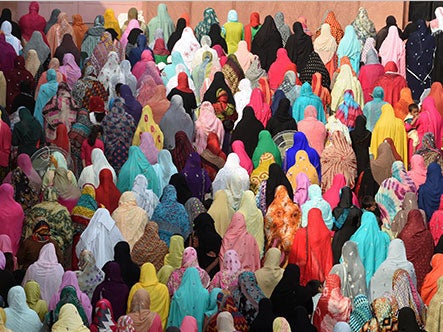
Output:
(247, 130)
(266, 43)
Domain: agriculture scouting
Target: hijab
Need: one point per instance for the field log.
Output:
(299, 46)
(266, 42)
(325, 44)
(429, 192)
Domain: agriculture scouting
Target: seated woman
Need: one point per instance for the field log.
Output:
(140, 311)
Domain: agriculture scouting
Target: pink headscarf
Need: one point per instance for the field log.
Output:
(189, 324)
(301, 192)
(146, 66)
(436, 223)
(207, 123)
(262, 110)
(2, 260)
(189, 258)
(429, 120)
(24, 162)
(133, 24)
(393, 49)
(70, 69)
(147, 145)
(418, 170)
(238, 239)
(332, 195)
(11, 214)
(239, 148)
(314, 129)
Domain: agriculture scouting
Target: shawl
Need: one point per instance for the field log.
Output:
(393, 49)
(218, 83)
(338, 158)
(271, 273)
(392, 191)
(182, 149)
(221, 211)
(435, 223)
(346, 81)
(419, 243)
(158, 292)
(232, 72)
(348, 110)
(58, 30)
(147, 124)
(266, 43)
(247, 130)
(325, 44)
(32, 62)
(187, 45)
(164, 168)
(129, 218)
(46, 271)
(93, 36)
(431, 281)
(282, 220)
(12, 216)
(253, 218)
(429, 121)
(133, 24)
(333, 194)
(336, 29)
(213, 158)
(276, 178)
(261, 108)
(32, 290)
(381, 166)
(248, 295)
(389, 126)
(104, 317)
(148, 146)
(203, 27)
(89, 275)
(196, 177)
(209, 242)
(194, 207)
(38, 44)
(282, 119)
(361, 313)
(32, 21)
(363, 26)
(25, 164)
(372, 109)
(301, 191)
(227, 277)
(282, 27)
(110, 68)
(279, 67)
(143, 318)
(391, 82)
(255, 72)
(91, 174)
(244, 57)
(6, 28)
(110, 22)
(401, 107)
(381, 281)
(315, 65)
(417, 171)
(372, 244)
(225, 322)
(174, 120)
(232, 30)
(266, 144)
(132, 106)
(107, 194)
(261, 172)
(137, 164)
(7, 61)
(435, 92)
(332, 306)
(409, 203)
(84, 210)
(311, 248)
(301, 143)
(113, 288)
(161, 21)
(150, 248)
(79, 28)
(351, 271)
(70, 70)
(251, 29)
(368, 50)
(433, 321)
(306, 98)
(15, 76)
(207, 122)
(314, 130)
(299, 46)
(178, 180)
(238, 239)
(69, 320)
(52, 19)
(171, 216)
(135, 55)
(302, 166)
(126, 324)
(19, 316)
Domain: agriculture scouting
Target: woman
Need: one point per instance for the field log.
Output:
(282, 119)
(104, 318)
(325, 45)
(106, 193)
(182, 89)
(248, 295)
(350, 46)
(91, 173)
(361, 139)
(369, 75)
(58, 30)
(238, 239)
(227, 277)
(247, 130)
(306, 98)
(350, 271)
(299, 46)
(19, 317)
(143, 318)
(196, 177)
(213, 158)
(113, 289)
(118, 130)
(393, 49)
(110, 22)
(130, 218)
(429, 192)
(260, 173)
(417, 170)
(311, 250)
(363, 26)
(232, 31)
(69, 320)
(130, 271)
(67, 46)
(207, 122)
(301, 191)
(429, 151)
(261, 108)
(266, 144)
(253, 217)
(187, 45)
(316, 201)
(332, 307)
(12, 215)
(182, 150)
(266, 43)
(37, 43)
(177, 34)
(278, 68)
(221, 211)
(372, 244)
(271, 273)
(281, 228)
(302, 165)
(32, 290)
(433, 315)
(338, 158)
(162, 21)
(93, 35)
(158, 292)
(171, 216)
(203, 27)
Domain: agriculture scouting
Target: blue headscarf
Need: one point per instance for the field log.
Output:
(136, 53)
(429, 193)
(372, 244)
(350, 46)
(190, 299)
(301, 143)
(171, 216)
(45, 94)
(278, 95)
(307, 97)
(372, 109)
(135, 165)
(316, 201)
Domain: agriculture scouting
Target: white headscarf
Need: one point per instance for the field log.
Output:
(129, 79)
(325, 44)
(187, 46)
(164, 168)
(110, 69)
(14, 41)
(146, 199)
(91, 173)
(242, 97)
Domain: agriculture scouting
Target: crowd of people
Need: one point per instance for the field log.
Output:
(224, 178)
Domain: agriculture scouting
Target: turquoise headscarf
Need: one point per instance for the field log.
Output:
(135, 165)
(45, 94)
(169, 71)
(190, 299)
(316, 201)
(307, 97)
(372, 244)
(212, 306)
(350, 46)
(372, 109)
(164, 168)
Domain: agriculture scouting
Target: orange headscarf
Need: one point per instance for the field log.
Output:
(437, 93)
(336, 29)
(79, 28)
(401, 107)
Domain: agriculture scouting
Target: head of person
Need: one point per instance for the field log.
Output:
(413, 109)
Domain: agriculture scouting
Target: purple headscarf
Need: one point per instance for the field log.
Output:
(301, 193)
(132, 106)
(197, 178)
(147, 145)
(2, 260)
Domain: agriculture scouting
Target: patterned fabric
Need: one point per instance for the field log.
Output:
(87, 87)
(261, 172)
(225, 302)
(227, 277)
(336, 29)
(361, 313)
(348, 110)
(23, 192)
(385, 312)
(89, 275)
(103, 318)
(203, 27)
(248, 295)
(125, 324)
(363, 26)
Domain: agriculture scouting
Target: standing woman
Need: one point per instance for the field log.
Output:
(92, 36)
(203, 27)
(161, 21)
(326, 46)
(299, 46)
(266, 43)
(58, 30)
(350, 46)
(361, 140)
(111, 22)
(11, 214)
(393, 49)
(232, 31)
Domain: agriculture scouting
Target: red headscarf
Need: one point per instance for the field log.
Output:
(311, 249)
(160, 48)
(62, 139)
(106, 193)
(182, 82)
(392, 83)
(261, 109)
(278, 69)
(32, 22)
(254, 22)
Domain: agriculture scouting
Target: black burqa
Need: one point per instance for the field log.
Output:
(178, 180)
(209, 242)
(265, 317)
(266, 43)
(422, 10)
(277, 178)
(314, 65)
(348, 217)
(302, 321)
(383, 32)
(218, 83)
(361, 140)
(129, 270)
(437, 71)
(247, 130)
(299, 46)
(289, 294)
(407, 321)
(216, 38)
(177, 34)
(282, 119)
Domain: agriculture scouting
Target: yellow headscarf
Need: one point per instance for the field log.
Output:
(221, 211)
(176, 248)
(270, 274)
(253, 218)
(3, 321)
(111, 22)
(302, 164)
(147, 124)
(158, 292)
(261, 172)
(32, 290)
(69, 320)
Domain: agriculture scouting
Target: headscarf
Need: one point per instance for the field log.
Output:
(150, 248)
(346, 80)
(19, 316)
(248, 295)
(261, 172)
(12, 215)
(282, 119)
(104, 317)
(393, 49)
(182, 149)
(221, 211)
(307, 97)
(164, 168)
(265, 144)
(70, 69)
(433, 314)
(187, 45)
(271, 273)
(106, 193)
(207, 122)
(282, 27)
(299, 46)
(111, 22)
(279, 67)
(401, 107)
(93, 35)
(58, 30)
(203, 27)
(266, 42)
(32, 290)
(69, 320)
(247, 130)
(360, 315)
(350, 46)
(363, 26)
(38, 44)
(325, 44)
(6, 28)
(429, 193)
(147, 124)
(162, 21)
(89, 275)
(196, 177)
(372, 244)
(417, 171)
